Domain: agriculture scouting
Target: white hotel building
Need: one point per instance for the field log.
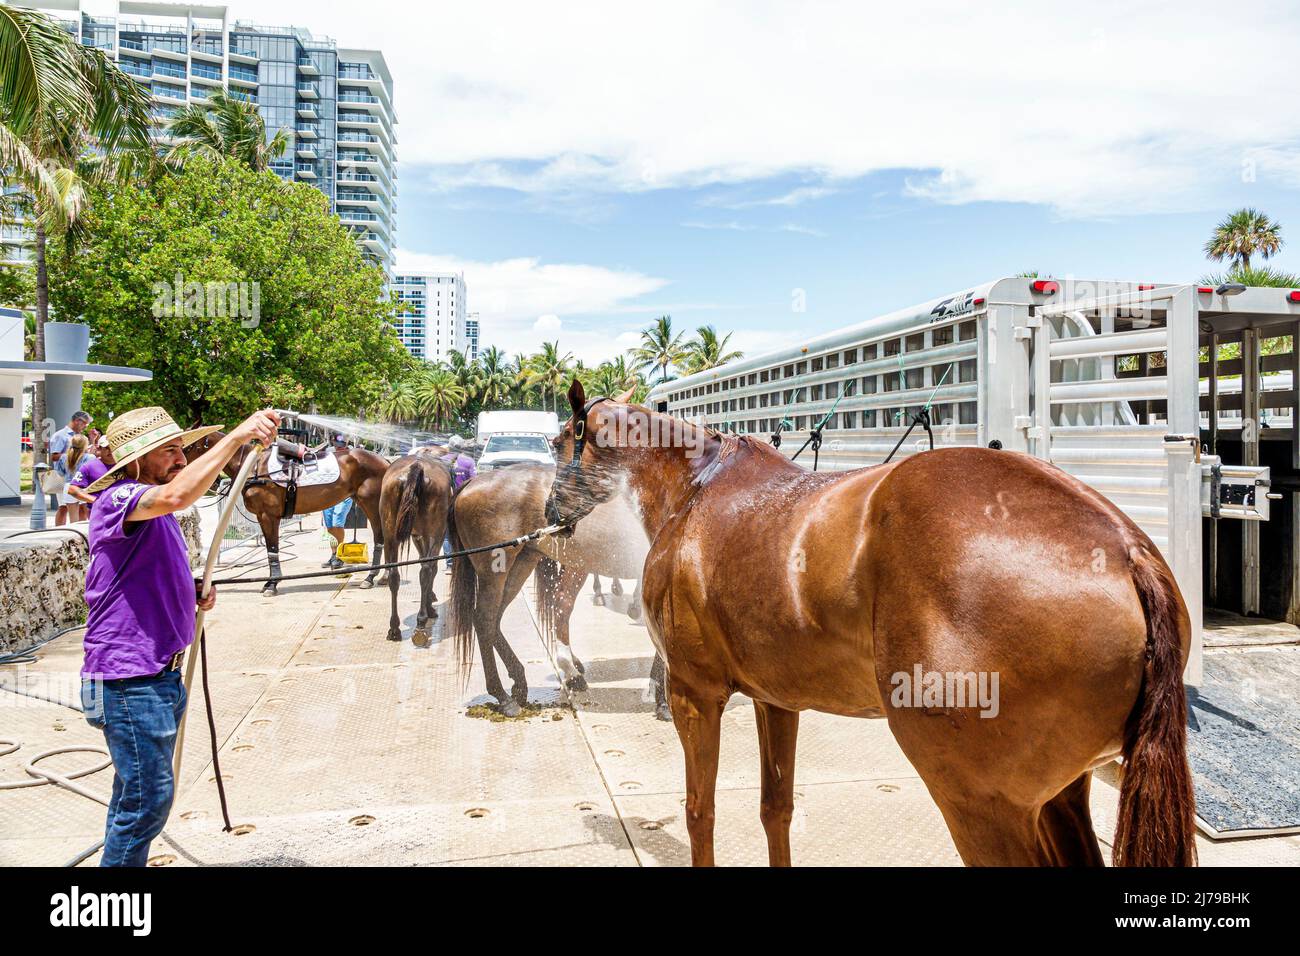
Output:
(437, 320)
(336, 103)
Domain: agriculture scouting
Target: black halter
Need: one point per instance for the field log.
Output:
(574, 468)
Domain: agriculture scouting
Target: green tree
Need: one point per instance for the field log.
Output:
(659, 349)
(1263, 277)
(59, 100)
(551, 372)
(439, 396)
(707, 351)
(495, 377)
(1243, 234)
(237, 290)
(226, 126)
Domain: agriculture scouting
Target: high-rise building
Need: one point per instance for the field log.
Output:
(436, 321)
(471, 336)
(336, 103)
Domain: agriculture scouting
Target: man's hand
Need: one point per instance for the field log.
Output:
(205, 603)
(260, 426)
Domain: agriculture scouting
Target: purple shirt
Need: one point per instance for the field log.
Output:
(139, 588)
(462, 468)
(89, 471)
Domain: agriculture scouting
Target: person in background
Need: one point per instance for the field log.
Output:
(70, 460)
(59, 443)
(462, 470)
(141, 598)
(335, 519)
(93, 467)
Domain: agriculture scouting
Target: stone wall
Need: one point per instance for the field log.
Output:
(43, 582)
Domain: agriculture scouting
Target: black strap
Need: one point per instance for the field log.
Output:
(290, 498)
(921, 418)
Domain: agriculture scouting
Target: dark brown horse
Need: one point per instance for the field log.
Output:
(508, 503)
(360, 476)
(415, 503)
(835, 591)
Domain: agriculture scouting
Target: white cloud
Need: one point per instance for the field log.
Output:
(523, 302)
(1091, 108)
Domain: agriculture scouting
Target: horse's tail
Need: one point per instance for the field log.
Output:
(463, 599)
(546, 581)
(409, 501)
(1157, 807)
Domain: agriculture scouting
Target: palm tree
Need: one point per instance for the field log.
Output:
(496, 379)
(1241, 235)
(551, 371)
(706, 351)
(438, 395)
(58, 101)
(659, 348)
(225, 126)
(399, 403)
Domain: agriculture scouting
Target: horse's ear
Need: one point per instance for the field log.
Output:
(626, 396)
(577, 399)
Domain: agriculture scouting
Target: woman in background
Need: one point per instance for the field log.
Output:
(69, 507)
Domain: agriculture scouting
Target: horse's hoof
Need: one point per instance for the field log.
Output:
(634, 611)
(394, 634)
(367, 584)
(598, 600)
(582, 668)
(519, 694)
(576, 683)
(269, 591)
(616, 589)
(508, 707)
(382, 579)
(663, 712)
(420, 637)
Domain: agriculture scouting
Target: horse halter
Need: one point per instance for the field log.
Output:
(573, 470)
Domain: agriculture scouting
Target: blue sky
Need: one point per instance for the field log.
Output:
(589, 165)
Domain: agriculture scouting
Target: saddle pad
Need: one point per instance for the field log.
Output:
(321, 472)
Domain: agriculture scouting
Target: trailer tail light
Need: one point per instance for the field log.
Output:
(978, 302)
(1146, 286)
(1046, 287)
(1294, 296)
(1205, 289)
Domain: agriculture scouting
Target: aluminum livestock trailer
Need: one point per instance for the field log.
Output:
(1175, 401)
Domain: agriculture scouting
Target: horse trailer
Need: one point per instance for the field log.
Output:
(1177, 402)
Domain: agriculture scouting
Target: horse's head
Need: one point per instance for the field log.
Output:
(586, 471)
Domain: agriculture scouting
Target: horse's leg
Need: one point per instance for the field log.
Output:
(270, 525)
(598, 597)
(634, 605)
(487, 615)
(371, 511)
(615, 587)
(778, 730)
(420, 638)
(567, 592)
(991, 830)
(698, 719)
(514, 580)
(394, 622)
(1065, 827)
(658, 676)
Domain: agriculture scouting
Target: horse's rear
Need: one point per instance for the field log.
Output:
(1014, 627)
(999, 566)
(414, 505)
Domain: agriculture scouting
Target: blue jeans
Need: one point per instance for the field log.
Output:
(139, 717)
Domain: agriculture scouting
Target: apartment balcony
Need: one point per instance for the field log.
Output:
(307, 130)
(305, 170)
(358, 119)
(204, 74)
(369, 200)
(243, 78)
(357, 177)
(306, 151)
(206, 50)
(307, 66)
(308, 111)
(169, 71)
(133, 47)
(180, 55)
(243, 56)
(133, 68)
(364, 100)
(168, 95)
(309, 91)
(241, 95)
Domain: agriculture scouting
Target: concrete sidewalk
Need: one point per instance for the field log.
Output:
(339, 747)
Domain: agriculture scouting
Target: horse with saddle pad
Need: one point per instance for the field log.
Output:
(830, 591)
(282, 486)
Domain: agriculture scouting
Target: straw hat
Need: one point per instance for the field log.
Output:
(134, 434)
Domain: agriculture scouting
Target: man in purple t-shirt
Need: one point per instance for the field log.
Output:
(141, 597)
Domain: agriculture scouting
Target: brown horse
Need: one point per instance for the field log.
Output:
(834, 591)
(505, 504)
(361, 474)
(415, 502)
